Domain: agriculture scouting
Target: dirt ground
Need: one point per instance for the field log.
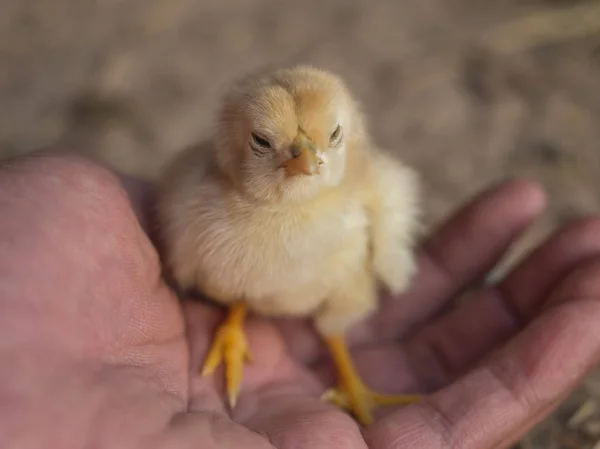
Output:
(468, 92)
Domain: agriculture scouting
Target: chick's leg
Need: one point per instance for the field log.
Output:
(231, 346)
(352, 394)
(349, 303)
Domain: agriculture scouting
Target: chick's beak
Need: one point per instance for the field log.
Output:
(304, 158)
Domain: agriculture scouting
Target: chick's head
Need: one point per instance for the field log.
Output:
(285, 135)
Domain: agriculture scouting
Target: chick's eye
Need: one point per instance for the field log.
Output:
(260, 141)
(335, 135)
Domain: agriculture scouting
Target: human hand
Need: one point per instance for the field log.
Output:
(96, 351)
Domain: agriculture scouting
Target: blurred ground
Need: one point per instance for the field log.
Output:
(468, 92)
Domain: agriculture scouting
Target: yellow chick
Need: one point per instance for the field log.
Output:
(291, 210)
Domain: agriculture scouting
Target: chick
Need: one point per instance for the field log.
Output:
(291, 210)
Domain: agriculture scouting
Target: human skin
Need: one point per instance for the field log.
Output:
(97, 352)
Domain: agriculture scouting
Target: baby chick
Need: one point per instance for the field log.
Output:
(291, 210)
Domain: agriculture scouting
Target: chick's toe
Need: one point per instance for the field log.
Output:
(230, 346)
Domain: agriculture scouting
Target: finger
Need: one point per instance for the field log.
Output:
(516, 385)
(460, 252)
(530, 282)
(450, 345)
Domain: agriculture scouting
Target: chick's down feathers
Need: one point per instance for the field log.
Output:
(290, 206)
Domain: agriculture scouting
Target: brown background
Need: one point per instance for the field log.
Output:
(470, 92)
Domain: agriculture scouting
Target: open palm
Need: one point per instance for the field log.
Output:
(98, 352)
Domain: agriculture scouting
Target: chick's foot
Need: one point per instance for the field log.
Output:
(230, 346)
(352, 394)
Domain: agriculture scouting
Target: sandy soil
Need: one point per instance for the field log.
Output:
(468, 92)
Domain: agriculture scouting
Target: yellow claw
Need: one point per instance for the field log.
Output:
(231, 346)
(352, 394)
